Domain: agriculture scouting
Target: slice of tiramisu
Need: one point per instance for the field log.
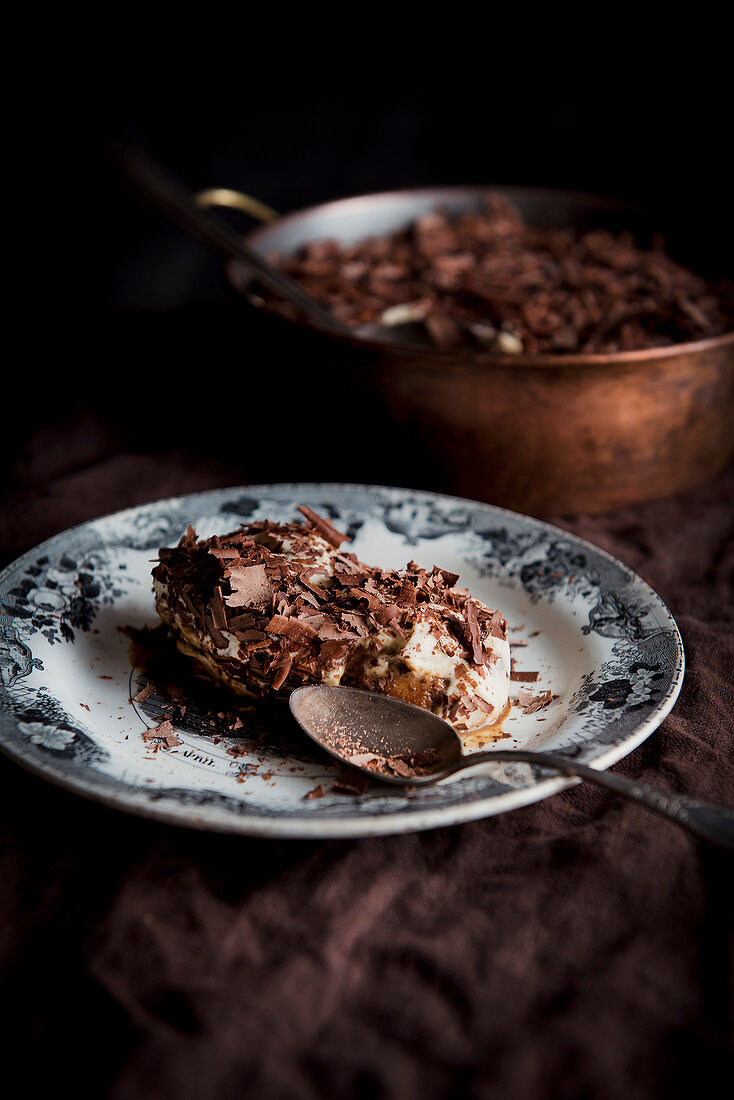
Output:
(273, 606)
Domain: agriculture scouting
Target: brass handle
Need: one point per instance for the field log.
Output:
(237, 200)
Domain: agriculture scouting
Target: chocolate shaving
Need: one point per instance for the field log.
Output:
(482, 704)
(531, 703)
(407, 593)
(217, 637)
(410, 765)
(358, 622)
(250, 586)
(373, 602)
(249, 636)
(291, 628)
(305, 578)
(330, 632)
(498, 625)
(475, 641)
(323, 526)
(241, 622)
(283, 667)
(164, 734)
(333, 652)
(385, 615)
(398, 766)
(217, 609)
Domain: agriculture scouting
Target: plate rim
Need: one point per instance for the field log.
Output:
(221, 821)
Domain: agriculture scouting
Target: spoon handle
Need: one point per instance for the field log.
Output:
(704, 819)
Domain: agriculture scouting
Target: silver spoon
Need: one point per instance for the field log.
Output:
(349, 723)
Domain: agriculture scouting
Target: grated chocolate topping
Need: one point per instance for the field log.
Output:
(272, 606)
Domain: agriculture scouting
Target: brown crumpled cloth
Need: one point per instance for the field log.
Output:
(578, 947)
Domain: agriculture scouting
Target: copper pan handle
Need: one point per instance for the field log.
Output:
(236, 200)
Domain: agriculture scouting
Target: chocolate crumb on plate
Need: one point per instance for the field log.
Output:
(163, 736)
(524, 677)
(531, 703)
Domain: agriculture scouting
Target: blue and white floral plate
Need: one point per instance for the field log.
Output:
(601, 640)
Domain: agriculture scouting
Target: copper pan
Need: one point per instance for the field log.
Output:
(544, 434)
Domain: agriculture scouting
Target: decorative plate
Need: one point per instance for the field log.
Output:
(601, 641)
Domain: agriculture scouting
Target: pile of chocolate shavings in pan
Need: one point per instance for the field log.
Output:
(490, 281)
